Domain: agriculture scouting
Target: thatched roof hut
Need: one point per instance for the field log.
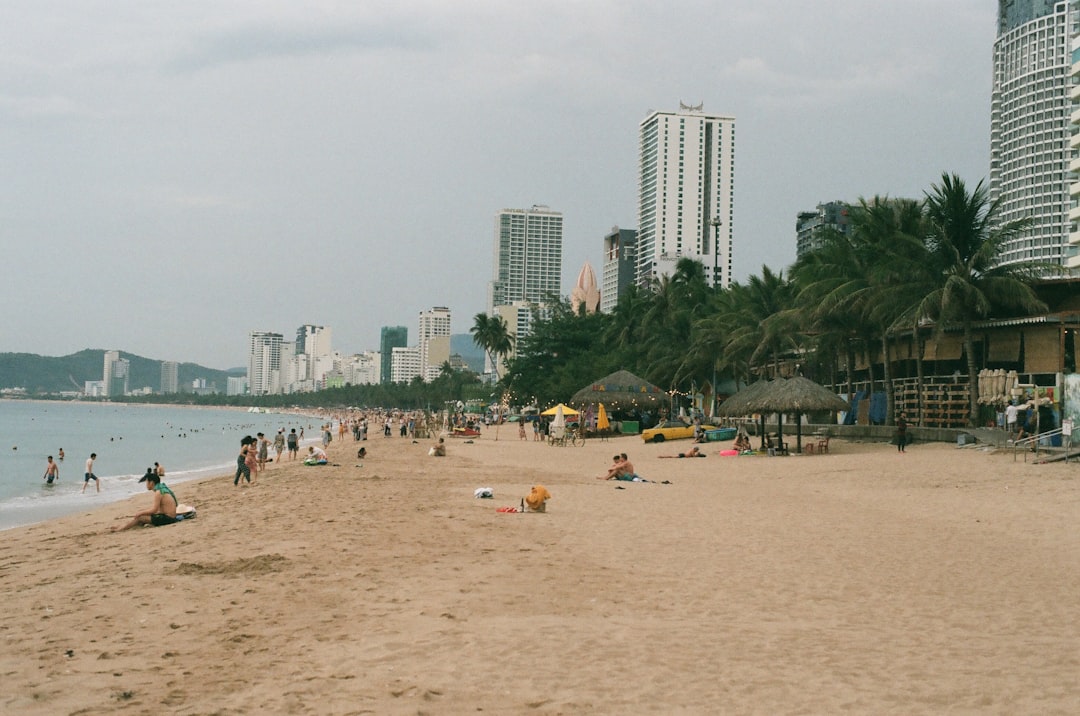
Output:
(744, 401)
(784, 395)
(798, 395)
(622, 390)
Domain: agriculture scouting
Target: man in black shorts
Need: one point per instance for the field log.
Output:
(89, 475)
(162, 512)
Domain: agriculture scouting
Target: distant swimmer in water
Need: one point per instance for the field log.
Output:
(52, 471)
(60, 454)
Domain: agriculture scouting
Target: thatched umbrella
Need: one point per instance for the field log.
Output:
(798, 395)
(621, 390)
(745, 402)
(784, 395)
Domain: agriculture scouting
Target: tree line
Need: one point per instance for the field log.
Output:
(903, 264)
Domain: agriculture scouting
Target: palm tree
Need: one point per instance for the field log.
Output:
(966, 240)
(491, 334)
(862, 283)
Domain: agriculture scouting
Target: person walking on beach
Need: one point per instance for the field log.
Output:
(294, 444)
(279, 444)
(52, 471)
(264, 451)
(242, 468)
(90, 473)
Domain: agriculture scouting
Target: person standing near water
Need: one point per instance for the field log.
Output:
(89, 475)
(52, 471)
(60, 454)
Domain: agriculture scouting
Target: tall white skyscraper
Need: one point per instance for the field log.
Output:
(527, 256)
(264, 362)
(170, 376)
(115, 374)
(1031, 156)
(434, 324)
(313, 350)
(685, 193)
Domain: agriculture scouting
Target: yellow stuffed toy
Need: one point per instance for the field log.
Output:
(537, 499)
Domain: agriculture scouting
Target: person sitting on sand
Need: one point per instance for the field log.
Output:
(162, 512)
(615, 470)
(692, 452)
(624, 471)
(742, 442)
(628, 473)
(361, 453)
(439, 449)
(316, 456)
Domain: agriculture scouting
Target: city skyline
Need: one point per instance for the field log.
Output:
(151, 205)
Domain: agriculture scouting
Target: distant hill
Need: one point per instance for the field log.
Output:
(46, 374)
(462, 344)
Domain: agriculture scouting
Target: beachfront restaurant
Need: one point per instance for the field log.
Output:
(1017, 358)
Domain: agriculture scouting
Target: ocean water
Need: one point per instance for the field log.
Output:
(189, 442)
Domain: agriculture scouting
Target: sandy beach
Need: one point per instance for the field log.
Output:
(943, 580)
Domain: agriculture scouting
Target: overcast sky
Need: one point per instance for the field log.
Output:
(174, 175)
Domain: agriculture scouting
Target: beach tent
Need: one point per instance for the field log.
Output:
(622, 390)
(566, 410)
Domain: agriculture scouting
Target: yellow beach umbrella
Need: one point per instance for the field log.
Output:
(566, 409)
(602, 422)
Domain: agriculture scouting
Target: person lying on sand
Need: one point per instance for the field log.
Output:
(692, 452)
(162, 512)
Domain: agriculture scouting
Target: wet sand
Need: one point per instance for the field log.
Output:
(861, 581)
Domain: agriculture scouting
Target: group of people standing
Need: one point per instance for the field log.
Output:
(255, 453)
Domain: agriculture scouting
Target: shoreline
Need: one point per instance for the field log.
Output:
(31, 502)
(941, 579)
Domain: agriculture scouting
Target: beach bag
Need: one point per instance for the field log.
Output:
(431, 452)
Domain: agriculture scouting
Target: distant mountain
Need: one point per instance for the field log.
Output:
(462, 344)
(47, 374)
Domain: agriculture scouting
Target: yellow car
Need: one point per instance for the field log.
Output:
(671, 430)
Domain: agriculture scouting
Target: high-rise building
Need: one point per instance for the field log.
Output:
(810, 226)
(433, 325)
(685, 193)
(527, 257)
(264, 362)
(392, 337)
(312, 347)
(619, 266)
(170, 376)
(115, 374)
(1072, 253)
(404, 364)
(1031, 165)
